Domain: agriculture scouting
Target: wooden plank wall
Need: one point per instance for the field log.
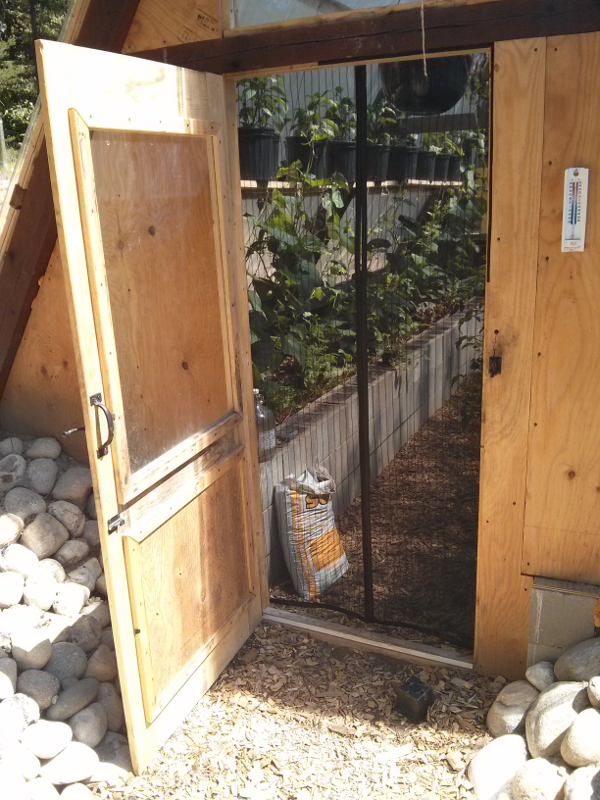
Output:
(503, 594)
(562, 530)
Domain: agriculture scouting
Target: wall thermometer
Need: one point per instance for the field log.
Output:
(575, 209)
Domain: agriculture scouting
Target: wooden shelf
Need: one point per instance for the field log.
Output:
(250, 188)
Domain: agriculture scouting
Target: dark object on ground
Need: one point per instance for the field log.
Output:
(414, 698)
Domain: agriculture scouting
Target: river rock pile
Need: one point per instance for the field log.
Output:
(61, 715)
(547, 731)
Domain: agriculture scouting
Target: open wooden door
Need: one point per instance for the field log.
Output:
(144, 197)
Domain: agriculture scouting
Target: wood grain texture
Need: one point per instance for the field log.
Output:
(503, 594)
(562, 522)
(42, 394)
(394, 33)
(158, 24)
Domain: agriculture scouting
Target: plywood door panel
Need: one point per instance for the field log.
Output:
(158, 24)
(562, 522)
(196, 515)
(503, 594)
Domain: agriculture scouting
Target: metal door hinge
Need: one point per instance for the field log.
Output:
(114, 523)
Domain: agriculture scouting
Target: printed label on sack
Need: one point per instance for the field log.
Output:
(266, 440)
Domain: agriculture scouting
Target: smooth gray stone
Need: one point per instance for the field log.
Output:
(19, 559)
(10, 446)
(90, 724)
(90, 507)
(31, 649)
(40, 686)
(102, 664)
(113, 705)
(70, 598)
(108, 638)
(507, 712)
(24, 503)
(55, 570)
(74, 485)
(11, 589)
(99, 610)
(492, 770)
(14, 754)
(73, 699)
(86, 632)
(47, 739)
(541, 675)
(58, 627)
(44, 447)
(11, 527)
(581, 745)
(8, 677)
(41, 789)
(538, 778)
(44, 536)
(41, 475)
(69, 515)
(551, 715)
(76, 763)
(87, 574)
(12, 472)
(73, 553)
(67, 661)
(16, 713)
(76, 791)
(594, 692)
(580, 663)
(40, 594)
(115, 759)
(583, 784)
(91, 533)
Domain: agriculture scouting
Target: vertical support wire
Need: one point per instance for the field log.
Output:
(362, 366)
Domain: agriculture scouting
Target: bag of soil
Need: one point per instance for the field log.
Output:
(310, 541)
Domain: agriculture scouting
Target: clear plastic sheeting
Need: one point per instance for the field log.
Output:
(245, 13)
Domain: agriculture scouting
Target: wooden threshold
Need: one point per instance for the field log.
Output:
(343, 636)
(395, 34)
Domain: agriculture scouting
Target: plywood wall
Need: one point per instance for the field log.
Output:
(160, 24)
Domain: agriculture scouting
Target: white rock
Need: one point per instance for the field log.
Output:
(73, 553)
(40, 686)
(91, 533)
(101, 585)
(76, 763)
(11, 588)
(13, 785)
(86, 632)
(12, 472)
(580, 663)
(67, 661)
(11, 528)
(14, 754)
(113, 705)
(16, 713)
(41, 475)
(39, 593)
(494, 767)
(76, 791)
(73, 699)
(594, 692)
(41, 789)
(583, 784)
(581, 745)
(55, 570)
(541, 675)
(90, 724)
(90, 507)
(58, 628)
(69, 515)
(115, 759)
(99, 610)
(507, 713)
(24, 503)
(11, 445)
(540, 779)
(551, 715)
(74, 485)
(47, 739)
(8, 677)
(87, 574)
(19, 559)
(102, 664)
(108, 638)
(31, 649)
(45, 447)
(70, 598)
(44, 536)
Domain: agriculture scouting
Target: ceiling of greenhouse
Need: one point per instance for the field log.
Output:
(248, 12)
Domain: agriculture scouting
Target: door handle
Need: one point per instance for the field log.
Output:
(96, 400)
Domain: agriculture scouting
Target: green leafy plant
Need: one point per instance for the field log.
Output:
(381, 122)
(310, 121)
(262, 102)
(341, 116)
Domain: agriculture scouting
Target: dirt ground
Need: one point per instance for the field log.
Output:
(294, 718)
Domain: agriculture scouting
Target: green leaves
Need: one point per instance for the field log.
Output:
(262, 102)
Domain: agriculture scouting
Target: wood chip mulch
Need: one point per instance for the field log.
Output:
(295, 718)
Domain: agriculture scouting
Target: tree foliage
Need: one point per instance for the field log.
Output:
(20, 20)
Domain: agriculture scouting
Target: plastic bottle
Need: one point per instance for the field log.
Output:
(265, 426)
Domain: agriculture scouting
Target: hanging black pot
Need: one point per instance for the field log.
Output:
(341, 157)
(442, 162)
(311, 157)
(259, 153)
(425, 165)
(377, 159)
(406, 85)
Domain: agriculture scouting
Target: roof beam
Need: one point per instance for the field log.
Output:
(391, 34)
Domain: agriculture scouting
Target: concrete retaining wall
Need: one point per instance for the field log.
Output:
(401, 399)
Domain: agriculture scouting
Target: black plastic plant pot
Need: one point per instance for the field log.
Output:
(454, 168)
(259, 153)
(311, 157)
(425, 165)
(442, 162)
(377, 158)
(341, 157)
(412, 162)
(397, 164)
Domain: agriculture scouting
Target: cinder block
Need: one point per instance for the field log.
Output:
(560, 619)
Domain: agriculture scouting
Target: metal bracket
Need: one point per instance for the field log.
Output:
(114, 523)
